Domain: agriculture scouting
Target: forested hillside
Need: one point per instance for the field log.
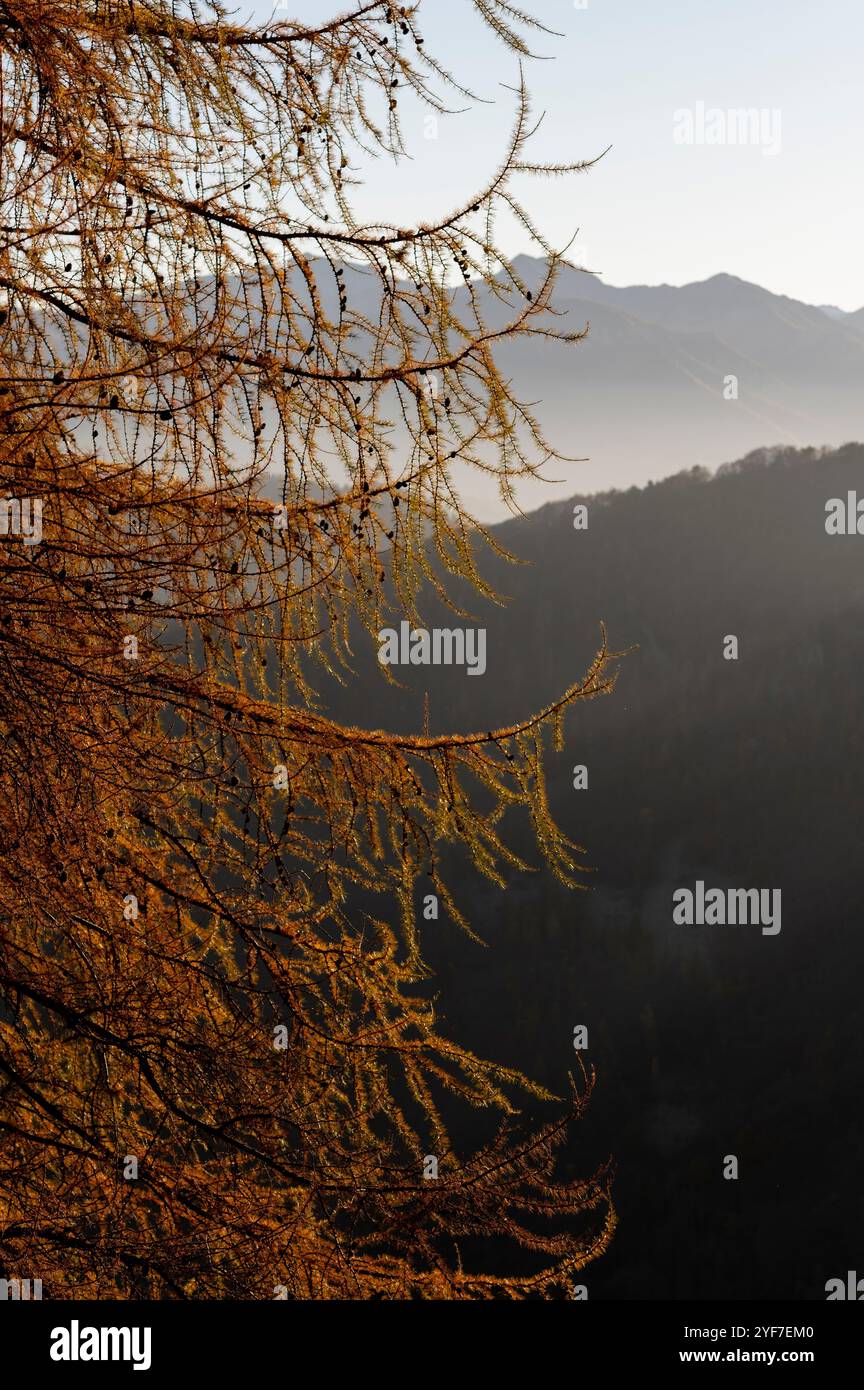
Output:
(714, 1040)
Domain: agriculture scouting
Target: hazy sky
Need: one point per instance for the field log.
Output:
(786, 211)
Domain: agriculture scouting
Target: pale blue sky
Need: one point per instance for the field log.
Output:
(655, 210)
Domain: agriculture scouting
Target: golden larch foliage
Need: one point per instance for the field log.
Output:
(220, 1069)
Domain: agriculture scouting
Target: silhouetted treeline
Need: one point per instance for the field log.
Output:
(714, 1040)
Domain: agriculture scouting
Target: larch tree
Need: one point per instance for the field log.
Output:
(220, 1070)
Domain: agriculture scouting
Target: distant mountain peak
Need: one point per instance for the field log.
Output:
(530, 268)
